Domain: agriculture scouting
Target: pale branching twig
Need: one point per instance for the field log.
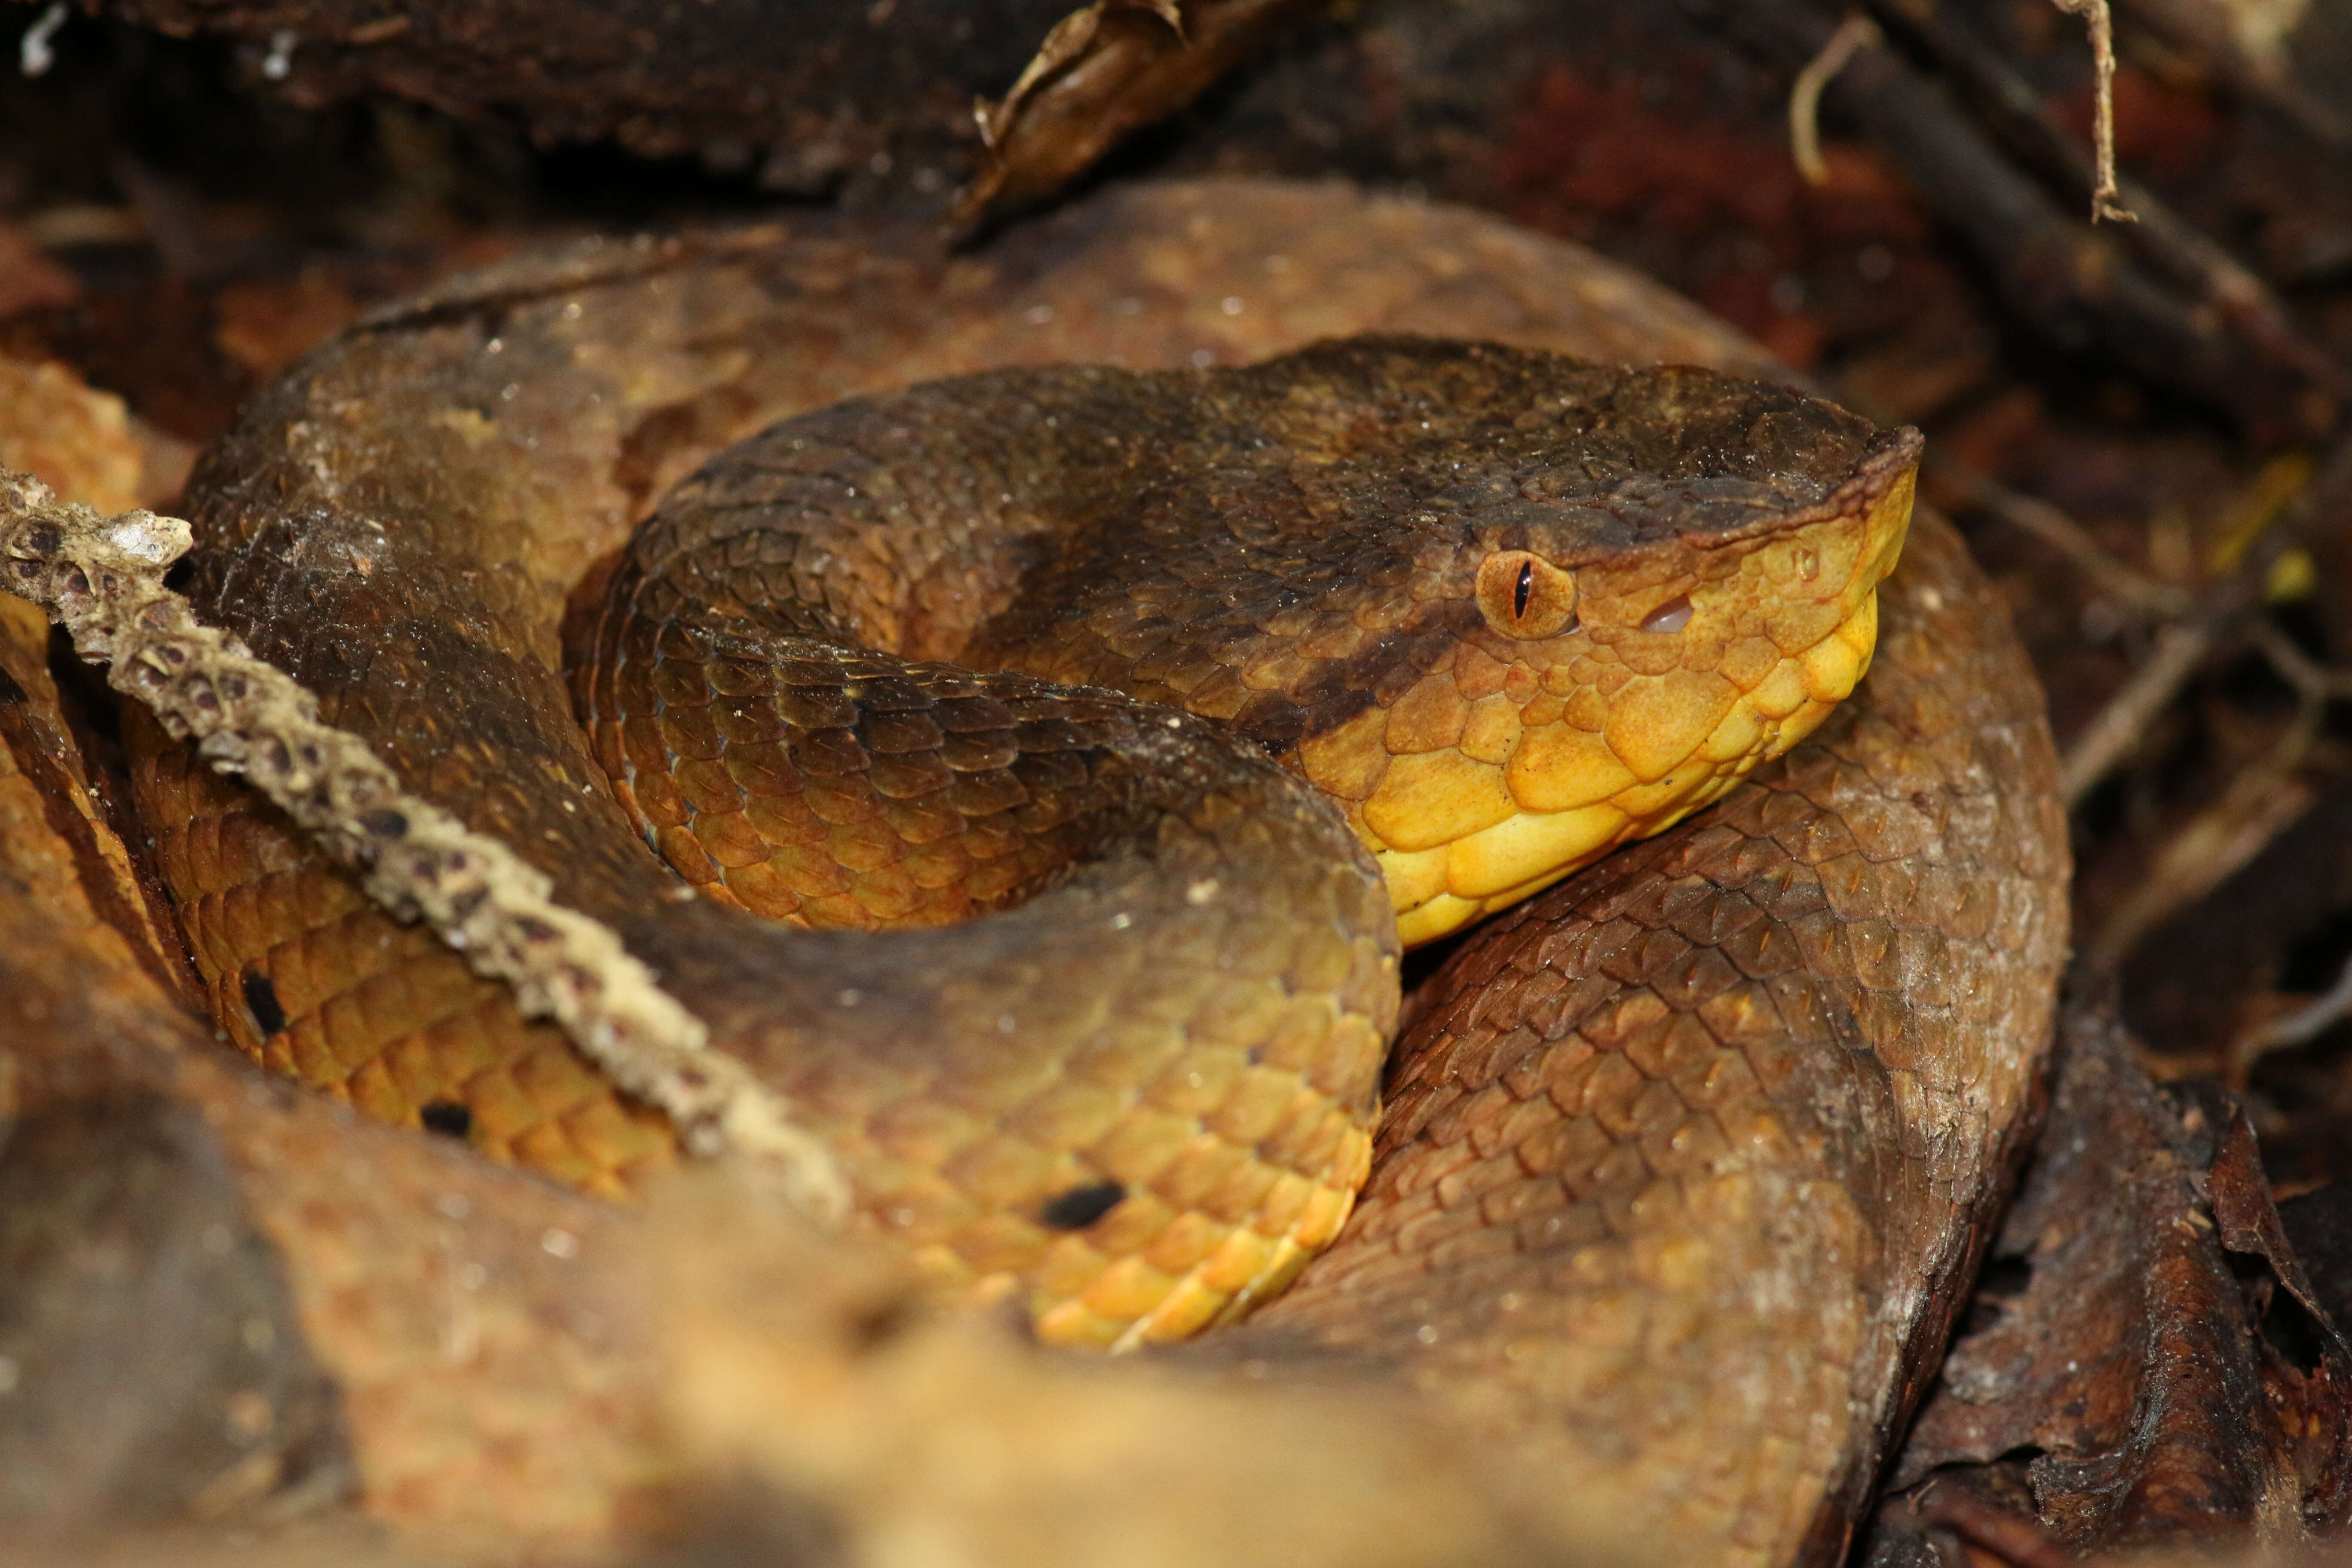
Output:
(2224, 607)
(2313, 681)
(2106, 200)
(2180, 649)
(2260, 802)
(2306, 1022)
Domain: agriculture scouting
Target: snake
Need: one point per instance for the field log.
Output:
(1036, 775)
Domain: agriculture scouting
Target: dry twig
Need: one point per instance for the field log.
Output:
(2221, 611)
(2101, 24)
(2306, 1023)
(2180, 647)
(2000, 96)
(2186, 317)
(2312, 681)
(2260, 802)
(1805, 93)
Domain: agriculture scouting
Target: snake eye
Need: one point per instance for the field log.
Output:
(1524, 596)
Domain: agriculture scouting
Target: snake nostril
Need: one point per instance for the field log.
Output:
(1081, 1206)
(1671, 616)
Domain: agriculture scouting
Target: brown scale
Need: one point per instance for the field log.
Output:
(1683, 1158)
(1838, 1009)
(309, 979)
(1639, 586)
(1157, 1147)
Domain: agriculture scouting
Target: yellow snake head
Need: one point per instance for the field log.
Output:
(1678, 585)
(1508, 610)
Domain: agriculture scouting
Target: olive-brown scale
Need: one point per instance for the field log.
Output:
(1508, 610)
(1286, 549)
(501, 432)
(1684, 1162)
(1161, 1082)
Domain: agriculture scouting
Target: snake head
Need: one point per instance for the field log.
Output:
(1680, 590)
(1507, 609)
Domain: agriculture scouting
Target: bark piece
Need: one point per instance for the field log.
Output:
(83, 442)
(816, 94)
(2149, 1362)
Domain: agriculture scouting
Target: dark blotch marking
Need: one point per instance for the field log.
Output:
(385, 824)
(447, 1116)
(1081, 1206)
(261, 1001)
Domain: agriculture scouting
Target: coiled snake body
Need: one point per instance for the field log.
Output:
(1744, 1083)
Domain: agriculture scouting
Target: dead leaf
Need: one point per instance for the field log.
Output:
(2145, 1360)
(1064, 44)
(77, 441)
(1100, 72)
(29, 280)
(265, 324)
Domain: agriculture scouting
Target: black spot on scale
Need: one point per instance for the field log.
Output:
(261, 1001)
(446, 1117)
(1081, 1206)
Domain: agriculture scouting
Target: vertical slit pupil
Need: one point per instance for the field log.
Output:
(1526, 586)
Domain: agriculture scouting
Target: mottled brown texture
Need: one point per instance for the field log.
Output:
(1284, 548)
(1329, 608)
(1687, 1159)
(622, 397)
(1887, 1114)
(1209, 1058)
(509, 1372)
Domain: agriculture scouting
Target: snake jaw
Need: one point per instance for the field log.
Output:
(1652, 709)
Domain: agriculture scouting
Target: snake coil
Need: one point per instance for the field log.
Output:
(1736, 1089)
